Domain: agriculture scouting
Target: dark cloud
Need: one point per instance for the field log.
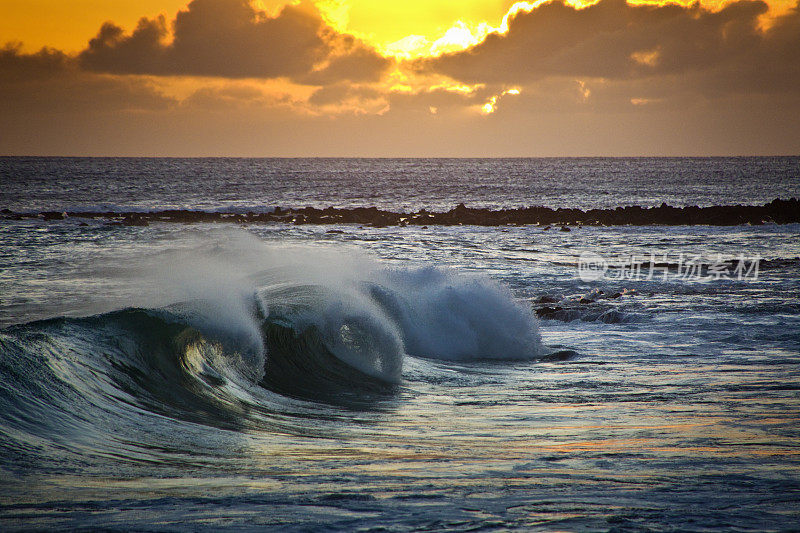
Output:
(226, 98)
(357, 63)
(51, 82)
(614, 40)
(16, 66)
(233, 39)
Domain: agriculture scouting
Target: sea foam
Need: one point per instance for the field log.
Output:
(369, 314)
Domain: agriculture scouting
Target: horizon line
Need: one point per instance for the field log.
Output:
(709, 156)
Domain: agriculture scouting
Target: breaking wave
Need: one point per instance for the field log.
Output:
(257, 328)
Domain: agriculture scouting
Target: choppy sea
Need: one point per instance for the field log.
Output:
(183, 377)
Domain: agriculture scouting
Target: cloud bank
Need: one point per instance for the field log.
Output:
(613, 40)
(233, 39)
(609, 79)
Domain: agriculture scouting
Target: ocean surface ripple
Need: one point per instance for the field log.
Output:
(307, 377)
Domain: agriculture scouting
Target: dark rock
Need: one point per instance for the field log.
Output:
(187, 217)
(546, 300)
(612, 316)
(545, 312)
(134, 220)
(260, 217)
(562, 355)
(778, 211)
(54, 215)
(383, 220)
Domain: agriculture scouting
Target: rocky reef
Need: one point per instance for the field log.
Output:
(777, 212)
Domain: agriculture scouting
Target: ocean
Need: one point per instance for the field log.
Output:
(348, 377)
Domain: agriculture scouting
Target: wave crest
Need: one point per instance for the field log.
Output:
(302, 323)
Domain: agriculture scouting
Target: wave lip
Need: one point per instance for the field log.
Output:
(373, 316)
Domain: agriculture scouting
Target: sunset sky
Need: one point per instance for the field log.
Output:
(412, 78)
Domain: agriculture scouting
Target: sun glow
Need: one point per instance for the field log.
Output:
(491, 106)
(458, 37)
(437, 27)
(409, 29)
(647, 58)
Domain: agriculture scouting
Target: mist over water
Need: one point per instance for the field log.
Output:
(176, 377)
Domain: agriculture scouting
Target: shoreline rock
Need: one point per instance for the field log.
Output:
(777, 211)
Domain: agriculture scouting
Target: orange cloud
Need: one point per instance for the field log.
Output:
(226, 78)
(233, 39)
(615, 40)
(50, 82)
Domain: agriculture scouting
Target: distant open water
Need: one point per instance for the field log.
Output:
(259, 184)
(182, 377)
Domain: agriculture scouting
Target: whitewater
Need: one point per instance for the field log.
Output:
(178, 377)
